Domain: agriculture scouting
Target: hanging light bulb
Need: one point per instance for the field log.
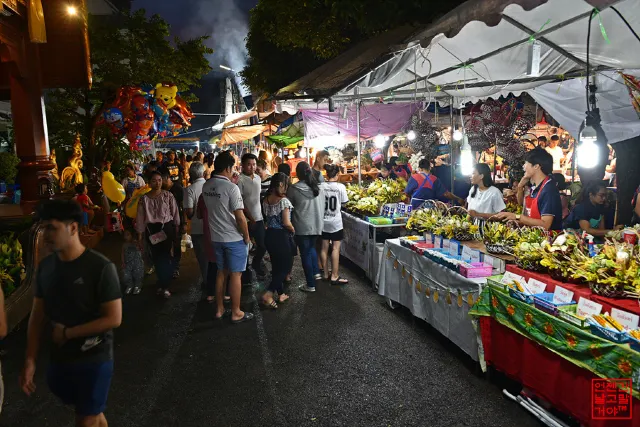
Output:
(466, 158)
(457, 135)
(411, 135)
(588, 153)
(379, 140)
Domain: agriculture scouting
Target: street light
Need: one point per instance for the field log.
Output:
(72, 10)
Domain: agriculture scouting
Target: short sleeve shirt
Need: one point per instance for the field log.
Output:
(222, 198)
(191, 202)
(335, 195)
(73, 292)
(549, 203)
(489, 201)
(420, 188)
(175, 171)
(585, 212)
(250, 189)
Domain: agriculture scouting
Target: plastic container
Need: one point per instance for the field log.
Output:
(476, 270)
(379, 220)
(494, 282)
(634, 343)
(568, 313)
(608, 334)
(545, 303)
(521, 296)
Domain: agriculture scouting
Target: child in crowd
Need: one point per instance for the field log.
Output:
(87, 208)
(132, 265)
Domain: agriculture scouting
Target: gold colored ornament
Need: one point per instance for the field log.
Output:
(436, 296)
(395, 264)
(404, 272)
(410, 279)
(389, 254)
(418, 287)
(449, 299)
(470, 299)
(428, 291)
(460, 300)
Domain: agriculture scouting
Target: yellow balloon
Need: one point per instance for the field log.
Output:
(112, 189)
(131, 209)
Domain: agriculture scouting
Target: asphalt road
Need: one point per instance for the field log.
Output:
(339, 357)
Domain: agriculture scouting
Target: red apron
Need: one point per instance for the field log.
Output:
(531, 203)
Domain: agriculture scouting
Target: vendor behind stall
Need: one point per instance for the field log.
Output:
(424, 186)
(386, 172)
(484, 199)
(589, 214)
(543, 207)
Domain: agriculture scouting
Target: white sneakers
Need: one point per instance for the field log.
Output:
(305, 288)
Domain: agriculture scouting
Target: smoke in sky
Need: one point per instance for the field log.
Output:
(225, 21)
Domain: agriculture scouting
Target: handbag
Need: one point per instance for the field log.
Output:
(158, 237)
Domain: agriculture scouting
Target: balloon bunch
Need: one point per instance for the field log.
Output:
(142, 114)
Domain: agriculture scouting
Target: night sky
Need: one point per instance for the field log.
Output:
(226, 22)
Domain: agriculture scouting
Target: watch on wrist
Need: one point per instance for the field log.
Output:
(518, 216)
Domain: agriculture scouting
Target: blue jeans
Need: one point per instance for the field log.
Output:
(309, 258)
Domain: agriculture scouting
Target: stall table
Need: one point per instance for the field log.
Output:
(627, 304)
(359, 244)
(430, 291)
(555, 359)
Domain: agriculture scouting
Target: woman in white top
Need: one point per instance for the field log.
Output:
(484, 199)
(335, 196)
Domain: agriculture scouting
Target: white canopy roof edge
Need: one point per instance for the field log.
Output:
(435, 68)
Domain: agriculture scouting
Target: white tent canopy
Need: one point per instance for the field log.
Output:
(446, 66)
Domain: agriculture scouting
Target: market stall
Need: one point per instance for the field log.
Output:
(555, 359)
(432, 292)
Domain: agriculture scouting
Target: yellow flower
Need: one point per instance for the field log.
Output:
(528, 319)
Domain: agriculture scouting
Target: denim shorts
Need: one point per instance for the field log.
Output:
(83, 385)
(231, 256)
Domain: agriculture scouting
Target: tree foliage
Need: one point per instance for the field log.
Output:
(287, 40)
(127, 49)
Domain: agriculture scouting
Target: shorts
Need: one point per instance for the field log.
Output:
(231, 256)
(83, 385)
(85, 218)
(336, 236)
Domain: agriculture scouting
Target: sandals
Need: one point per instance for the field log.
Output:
(282, 300)
(245, 318)
(339, 281)
(225, 313)
(272, 305)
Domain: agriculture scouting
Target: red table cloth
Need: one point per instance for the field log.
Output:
(566, 386)
(626, 304)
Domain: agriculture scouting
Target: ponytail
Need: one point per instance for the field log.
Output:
(305, 174)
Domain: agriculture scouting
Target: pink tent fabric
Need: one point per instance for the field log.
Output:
(386, 119)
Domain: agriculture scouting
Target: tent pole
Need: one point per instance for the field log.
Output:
(451, 147)
(358, 148)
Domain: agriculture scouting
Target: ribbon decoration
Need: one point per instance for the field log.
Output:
(532, 37)
(596, 12)
(413, 280)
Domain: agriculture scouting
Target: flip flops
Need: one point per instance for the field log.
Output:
(247, 316)
(339, 281)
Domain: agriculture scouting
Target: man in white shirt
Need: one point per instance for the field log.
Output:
(228, 230)
(250, 186)
(556, 152)
(196, 172)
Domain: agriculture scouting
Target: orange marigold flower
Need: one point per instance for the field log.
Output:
(595, 351)
(571, 340)
(548, 328)
(528, 319)
(494, 301)
(511, 310)
(624, 366)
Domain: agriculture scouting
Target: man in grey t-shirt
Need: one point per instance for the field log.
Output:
(322, 158)
(228, 229)
(250, 186)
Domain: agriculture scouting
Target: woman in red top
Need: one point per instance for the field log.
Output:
(87, 208)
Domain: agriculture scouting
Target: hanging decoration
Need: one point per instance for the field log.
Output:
(142, 114)
(426, 140)
(413, 280)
